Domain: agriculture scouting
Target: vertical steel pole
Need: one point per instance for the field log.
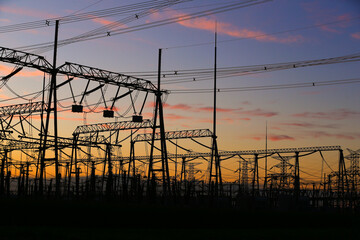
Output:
(297, 176)
(52, 94)
(53, 82)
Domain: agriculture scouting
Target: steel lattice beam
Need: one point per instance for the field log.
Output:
(104, 76)
(242, 153)
(114, 126)
(81, 141)
(19, 146)
(221, 153)
(77, 70)
(25, 59)
(196, 133)
(22, 108)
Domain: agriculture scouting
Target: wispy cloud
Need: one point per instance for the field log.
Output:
(224, 110)
(320, 14)
(356, 35)
(4, 97)
(176, 106)
(273, 137)
(108, 108)
(26, 12)
(308, 125)
(239, 111)
(5, 70)
(338, 114)
(225, 28)
(336, 27)
(171, 116)
(193, 108)
(258, 112)
(226, 115)
(280, 138)
(323, 134)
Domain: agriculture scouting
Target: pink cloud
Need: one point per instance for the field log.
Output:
(148, 115)
(210, 109)
(347, 136)
(3, 96)
(205, 120)
(233, 31)
(186, 107)
(273, 137)
(232, 120)
(102, 21)
(280, 138)
(308, 125)
(26, 12)
(356, 35)
(319, 13)
(175, 117)
(229, 29)
(331, 115)
(5, 70)
(245, 114)
(259, 112)
(177, 106)
(101, 108)
(37, 117)
(256, 138)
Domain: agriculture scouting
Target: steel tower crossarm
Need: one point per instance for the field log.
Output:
(104, 76)
(81, 141)
(15, 144)
(112, 126)
(76, 70)
(22, 108)
(19, 146)
(243, 153)
(25, 59)
(182, 134)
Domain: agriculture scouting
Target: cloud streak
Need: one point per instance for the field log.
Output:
(5, 70)
(338, 114)
(225, 28)
(241, 111)
(356, 35)
(323, 134)
(318, 14)
(25, 12)
(274, 138)
(308, 125)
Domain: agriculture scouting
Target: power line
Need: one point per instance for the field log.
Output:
(111, 30)
(76, 17)
(189, 74)
(267, 34)
(271, 87)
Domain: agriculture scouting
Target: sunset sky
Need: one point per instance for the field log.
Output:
(277, 31)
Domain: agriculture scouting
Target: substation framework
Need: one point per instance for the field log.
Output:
(341, 185)
(73, 70)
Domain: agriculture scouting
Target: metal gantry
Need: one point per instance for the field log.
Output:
(171, 135)
(112, 126)
(25, 108)
(344, 182)
(91, 74)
